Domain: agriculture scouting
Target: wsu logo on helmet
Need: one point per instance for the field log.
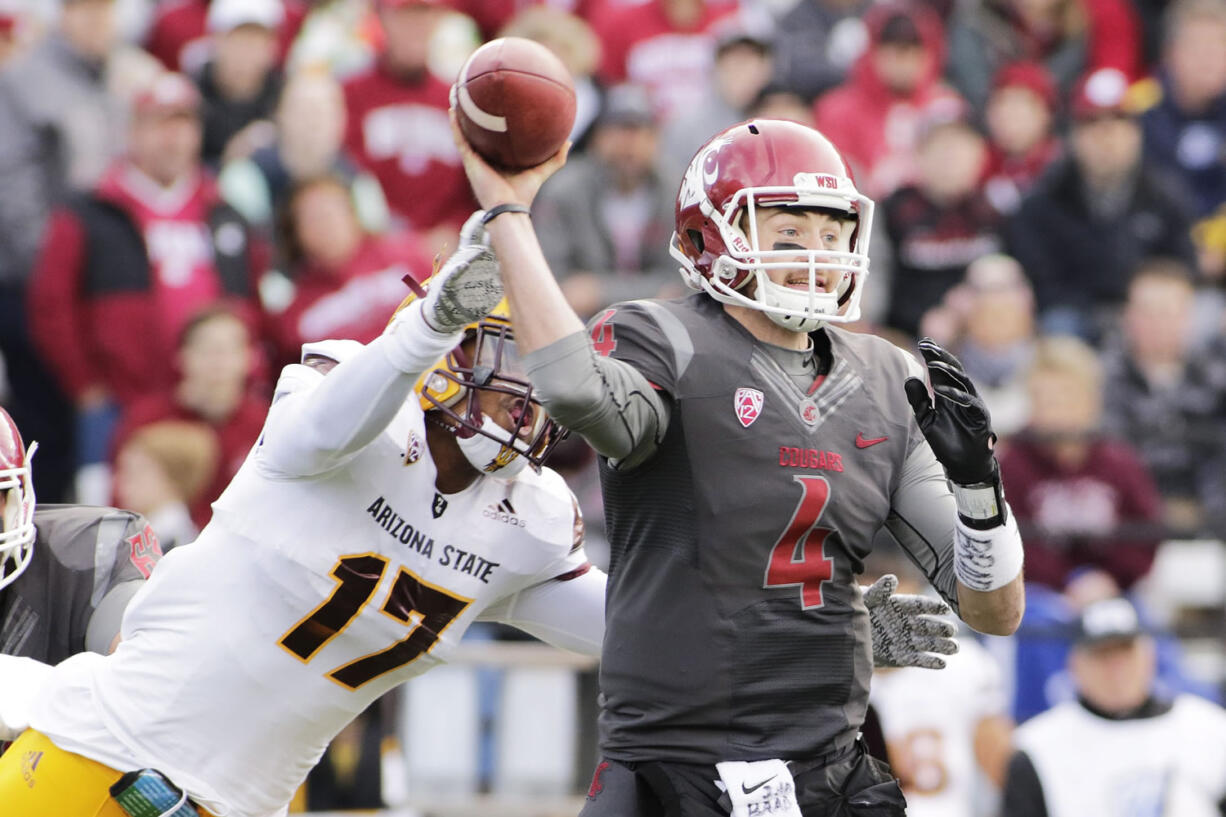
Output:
(748, 405)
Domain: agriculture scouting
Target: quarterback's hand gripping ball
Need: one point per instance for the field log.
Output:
(515, 103)
(905, 632)
(955, 421)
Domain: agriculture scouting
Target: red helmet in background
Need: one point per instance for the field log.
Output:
(767, 162)
(16, 502)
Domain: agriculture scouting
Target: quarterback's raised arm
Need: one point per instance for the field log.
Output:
(610, 402)
(321, 428)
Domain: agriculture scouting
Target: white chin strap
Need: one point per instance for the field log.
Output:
(490, 456)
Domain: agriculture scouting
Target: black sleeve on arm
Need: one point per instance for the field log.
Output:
(1023, 793)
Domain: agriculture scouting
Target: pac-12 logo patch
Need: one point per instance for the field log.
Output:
(748, 405)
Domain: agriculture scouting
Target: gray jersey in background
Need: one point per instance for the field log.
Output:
(87, 564)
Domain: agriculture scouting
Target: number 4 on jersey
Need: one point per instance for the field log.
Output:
(602, 334)
(797, 559)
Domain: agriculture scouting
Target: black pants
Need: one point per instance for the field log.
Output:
(854, 784)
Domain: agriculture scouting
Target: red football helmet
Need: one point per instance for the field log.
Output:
(17, 495)
(767, 162)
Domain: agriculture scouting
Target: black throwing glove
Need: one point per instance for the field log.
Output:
(958, 426)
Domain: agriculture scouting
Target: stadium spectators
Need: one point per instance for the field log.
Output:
(161, 470)
(240, 83)
(1022, 142)
(346, 282)
(398, 128)
(667, 46)
(1185, 131)
(60, 127)
(124, 267)
(310, 122)
(604, 219)
(179, 34)
(1168, 399)
(742, 69)
(216, 365)
(1088, 508)
(1082, 232)
(989, 323)
(874, 116)
(941, 221)
(1069, 38)
(817, 42)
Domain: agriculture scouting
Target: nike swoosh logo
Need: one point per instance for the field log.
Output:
(863, 443)
(752, 789)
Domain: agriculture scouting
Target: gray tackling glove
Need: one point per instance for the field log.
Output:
(905, 632)
(467, 286)
(474, 232)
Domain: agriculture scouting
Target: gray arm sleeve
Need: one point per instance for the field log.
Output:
(922, 514)
(567, 614)
(108, 615)
(608, 401)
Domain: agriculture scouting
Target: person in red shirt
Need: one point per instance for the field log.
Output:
(875, 116)
(398, 127)
(666, 46)
(179, 33)
(1022, 142)
(216, 361)
(346, 282)
(1088, 507)
(123, 268)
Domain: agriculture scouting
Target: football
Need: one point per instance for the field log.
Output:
(515, 102)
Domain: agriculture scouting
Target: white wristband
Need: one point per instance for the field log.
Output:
(987, 559)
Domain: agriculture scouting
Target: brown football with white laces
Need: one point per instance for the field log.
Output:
(515, 102)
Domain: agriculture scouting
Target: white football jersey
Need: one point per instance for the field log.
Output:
(304, 600)
(929, 719)
(1168, 765)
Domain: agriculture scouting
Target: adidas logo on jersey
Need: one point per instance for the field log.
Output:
(504, 512)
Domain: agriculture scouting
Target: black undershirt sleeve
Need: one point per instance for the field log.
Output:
(1023, 793)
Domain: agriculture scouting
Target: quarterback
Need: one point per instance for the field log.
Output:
(751, 452)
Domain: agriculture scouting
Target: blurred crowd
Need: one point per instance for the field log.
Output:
(191, 189)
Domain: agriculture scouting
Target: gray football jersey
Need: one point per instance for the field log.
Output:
(734, 628)
(80, 553)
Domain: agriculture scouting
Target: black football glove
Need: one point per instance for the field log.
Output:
(958, 426)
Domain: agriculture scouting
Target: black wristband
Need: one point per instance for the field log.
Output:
(498, 209)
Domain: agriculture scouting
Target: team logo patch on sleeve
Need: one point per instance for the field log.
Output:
(748, 405)
(144, 550)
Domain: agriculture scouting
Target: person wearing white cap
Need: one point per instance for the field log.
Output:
(1122, 748)
(241, 83)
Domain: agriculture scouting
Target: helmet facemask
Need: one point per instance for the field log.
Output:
(17, 515)
(745, 260)
(493, 367)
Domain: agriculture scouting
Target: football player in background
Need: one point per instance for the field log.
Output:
(750, 452)
(947, 732)
(67, 572)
